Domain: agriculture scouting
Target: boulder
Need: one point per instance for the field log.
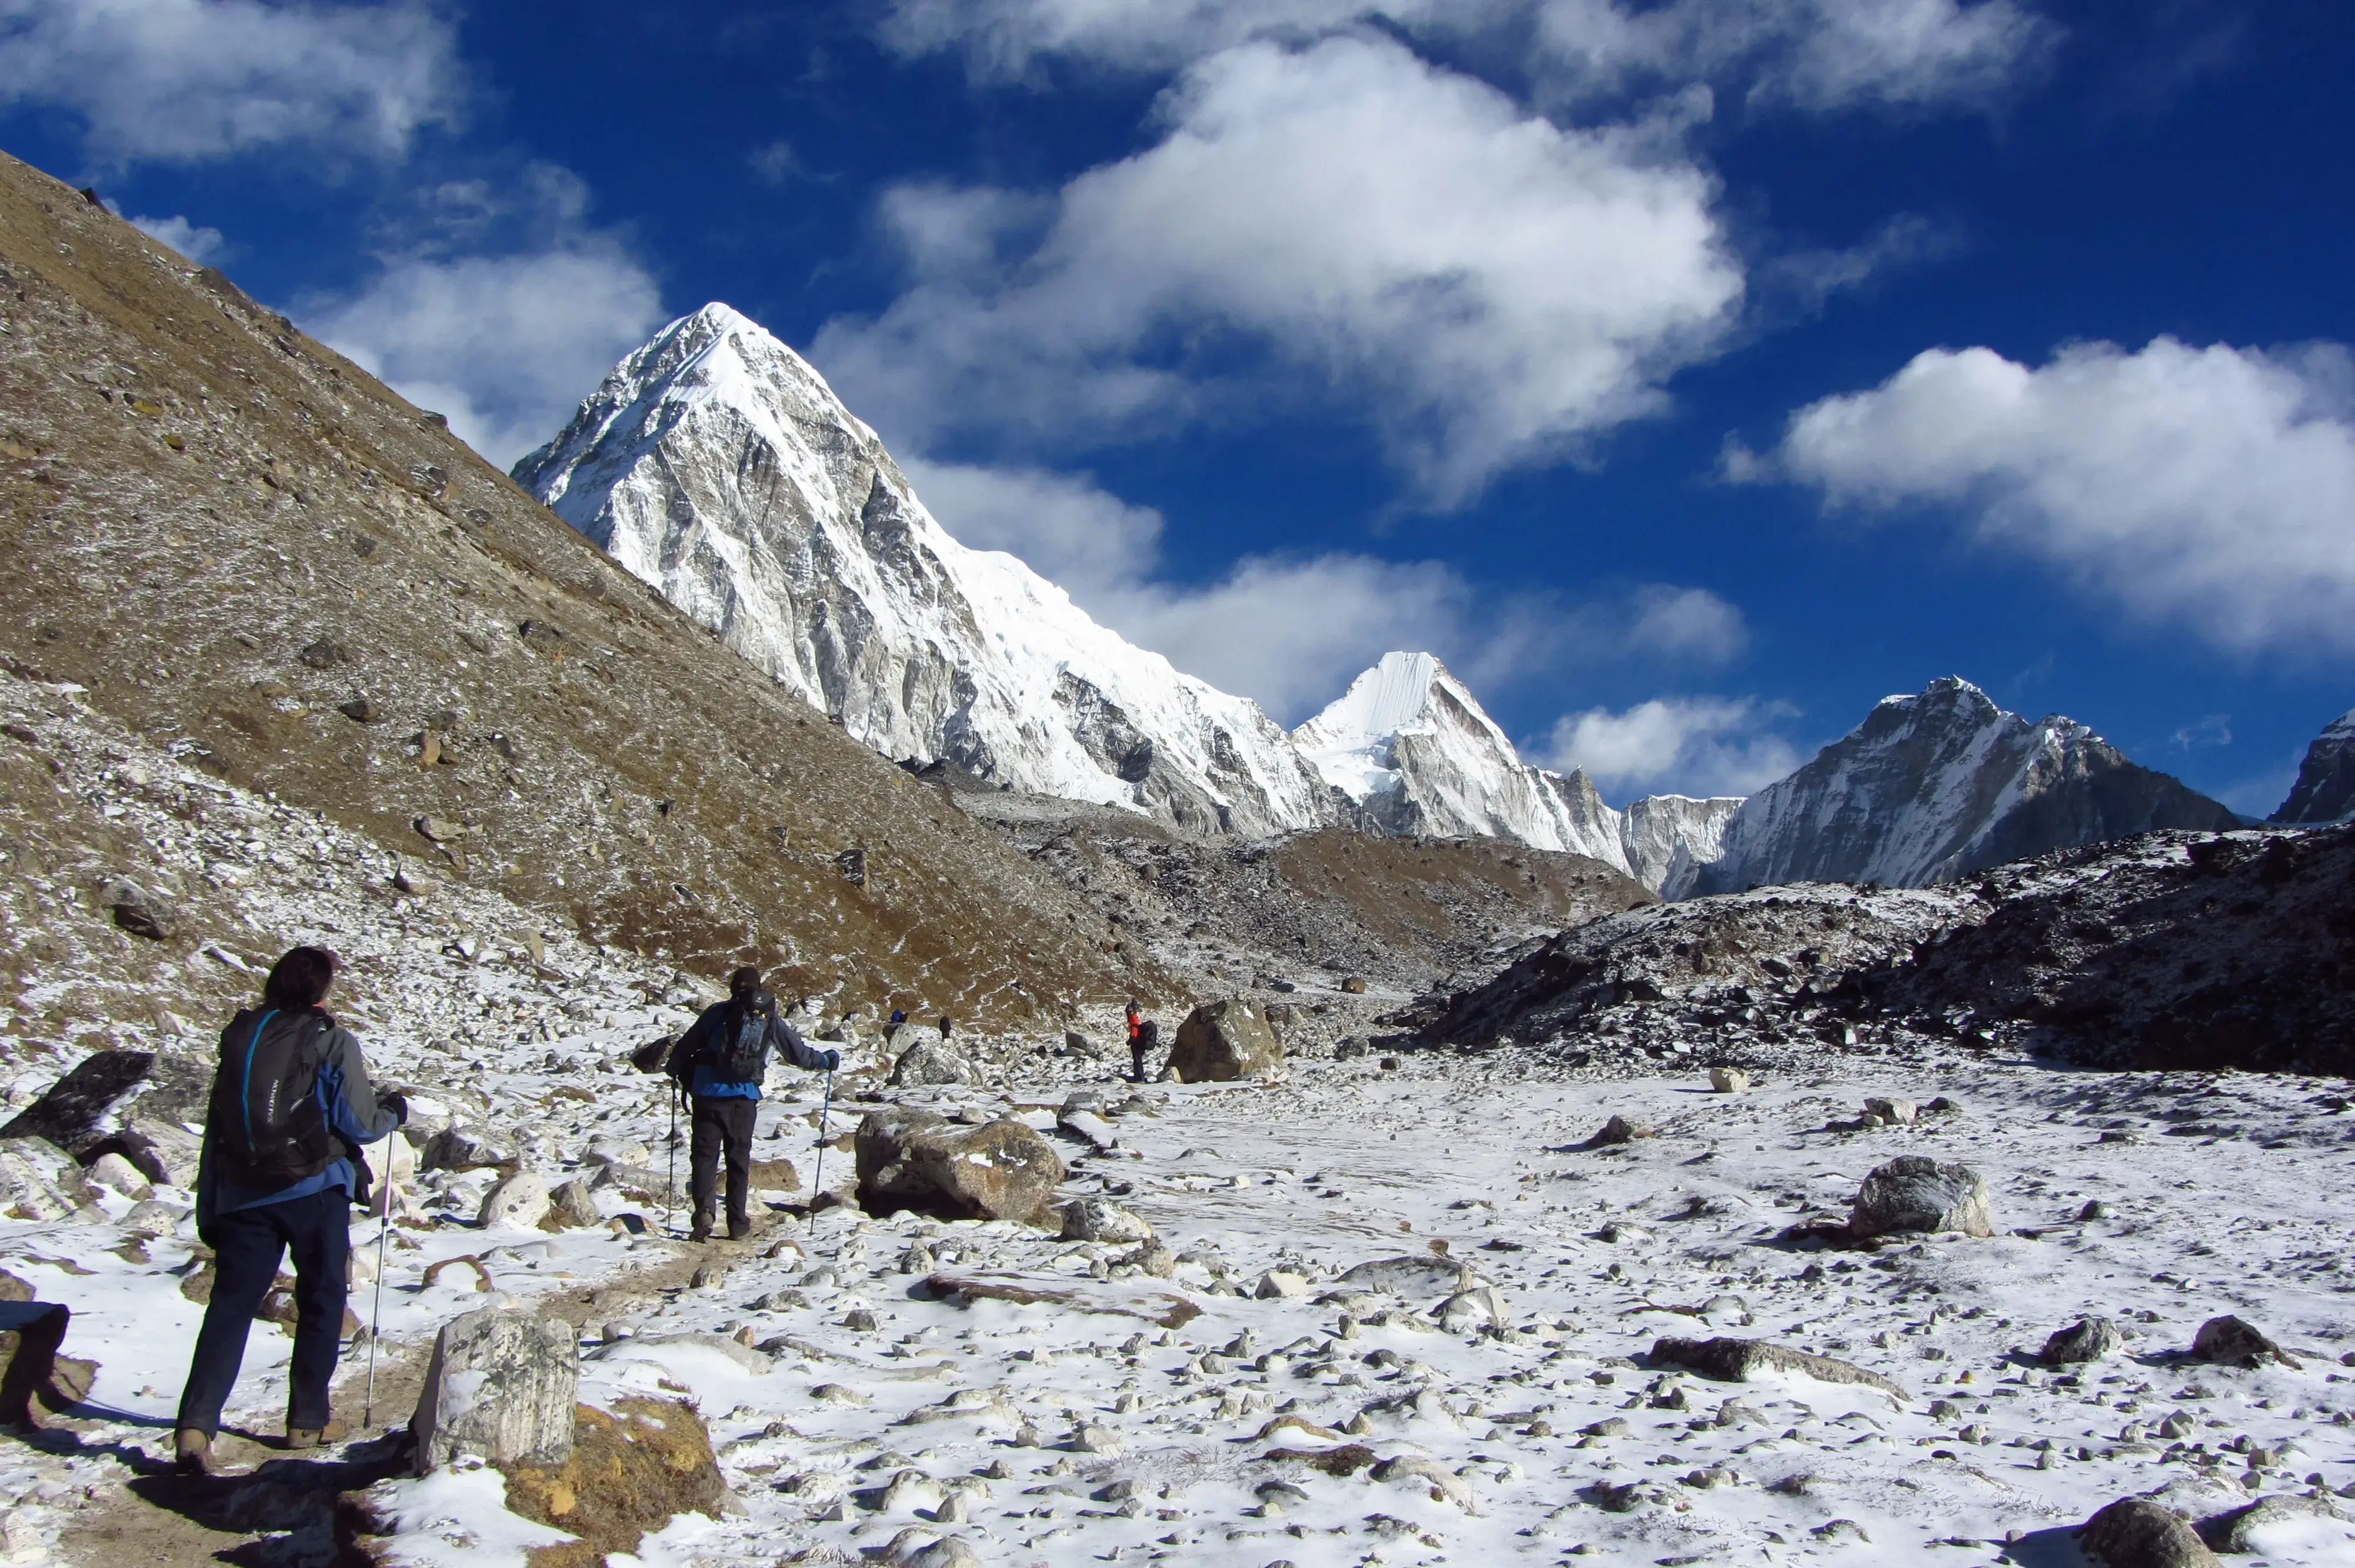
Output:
(1893, 1112)
(117, 1174)
(1728, 1080)
(935, 1061)
(164, 1151)
(1470, 1308)
(1913, 1193)
(2246, 1528)
(518, 1203)
(607, 1148)
(1089, 1127)
(1617, 1131)
(1223, 1041)
(915, 1160)
(2228, 1341)
(2136, 1532)
(1280, 1285)
(34, 1377)
(141, 911)
(573, 1205)
(500, 1386)
(2088, 1340)
(1101, 1220)
(1736, 1361)
(1415, 1275)
(84, 1109)
(775, 1176)
(38, 1181)
(458, 1148)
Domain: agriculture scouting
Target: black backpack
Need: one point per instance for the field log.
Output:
(265, 1118)
(741, 1055)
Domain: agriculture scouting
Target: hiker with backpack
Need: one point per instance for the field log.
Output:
(718, 1066)
(278, 1172)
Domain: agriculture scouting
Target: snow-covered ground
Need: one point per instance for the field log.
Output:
(1055, 1433)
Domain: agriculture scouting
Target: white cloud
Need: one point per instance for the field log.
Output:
(1291, 632)
(1691, 746)
(1806, 53)
(201, 246)
(505, 346)
(2212, 488)
(183, 80)
(1345, 222)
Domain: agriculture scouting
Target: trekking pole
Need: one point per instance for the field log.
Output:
(376, 1313)
(670, 1187)
(817, 1176)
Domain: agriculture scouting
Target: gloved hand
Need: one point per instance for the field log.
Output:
(397, 1103)
(833, 1060)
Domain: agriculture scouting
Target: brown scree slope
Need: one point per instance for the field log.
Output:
(228, 533)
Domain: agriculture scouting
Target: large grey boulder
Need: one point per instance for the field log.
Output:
(1223, 1041)
(84, 1112)
(501, 1386)
(932, 1062)
(1913, 1193)
(2233, 1343)
(38, 1181)
(915, 1160)
(1738, 1361)
(2136, 1532)
(2087, 1339)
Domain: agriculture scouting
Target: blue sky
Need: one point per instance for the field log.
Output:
(1688, 375)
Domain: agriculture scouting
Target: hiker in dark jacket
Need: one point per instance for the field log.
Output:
(290, 1106)
(719, 1063)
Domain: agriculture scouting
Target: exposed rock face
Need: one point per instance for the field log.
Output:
(500, 1386)
(83, 1113)
(1913, 1192)
(717, 465)
(1410, 744)
(1221, 1041)
(915, 1160)
(1934, 787)
(2324, 791)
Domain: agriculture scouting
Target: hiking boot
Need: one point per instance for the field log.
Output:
(316, 1436)
(193, 1451)
(739, 1227)
(700, 1231)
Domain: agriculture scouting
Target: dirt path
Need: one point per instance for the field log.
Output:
(278, 1512)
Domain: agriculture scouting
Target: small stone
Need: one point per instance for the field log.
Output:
(1893, 1112)
(571, 1204)
(1280, 1285)
(1101, 1220)
(1099, 1440)
(361, 710)
(1617, 1131)
(519, 1202)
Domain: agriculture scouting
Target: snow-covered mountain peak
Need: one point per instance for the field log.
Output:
(1938, 784)
(717, 464)
(1414, 749)
(2325, 791)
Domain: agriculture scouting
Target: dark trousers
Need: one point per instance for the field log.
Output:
(247, 1245)
(722, 1123)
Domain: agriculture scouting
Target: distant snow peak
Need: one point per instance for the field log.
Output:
(1937, 785)
(718, 465)
(1413, 747)
(2325, 791)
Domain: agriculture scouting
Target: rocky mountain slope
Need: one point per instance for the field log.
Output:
(1410, 744)
(2168, 951)
(717, 466)
(1933, 787)
(240, 548)
(2325, 791)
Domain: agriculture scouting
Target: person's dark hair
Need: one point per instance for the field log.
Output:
(743, 983)
(298, 982)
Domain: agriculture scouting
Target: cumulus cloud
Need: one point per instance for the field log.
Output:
(505, 346)
(186, 81)
(1484, 286)
(1690, 746)
(1290, 632)
(2212, 488)
(1805, 54)
(201, 245)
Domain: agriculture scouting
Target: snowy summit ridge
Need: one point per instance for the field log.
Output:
(716, 464)
(1938, 785)
(2325, 791)
(1413, 747)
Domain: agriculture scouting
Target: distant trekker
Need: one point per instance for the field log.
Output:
(1141, 1047)
(291, 1103)
(720, 1062)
